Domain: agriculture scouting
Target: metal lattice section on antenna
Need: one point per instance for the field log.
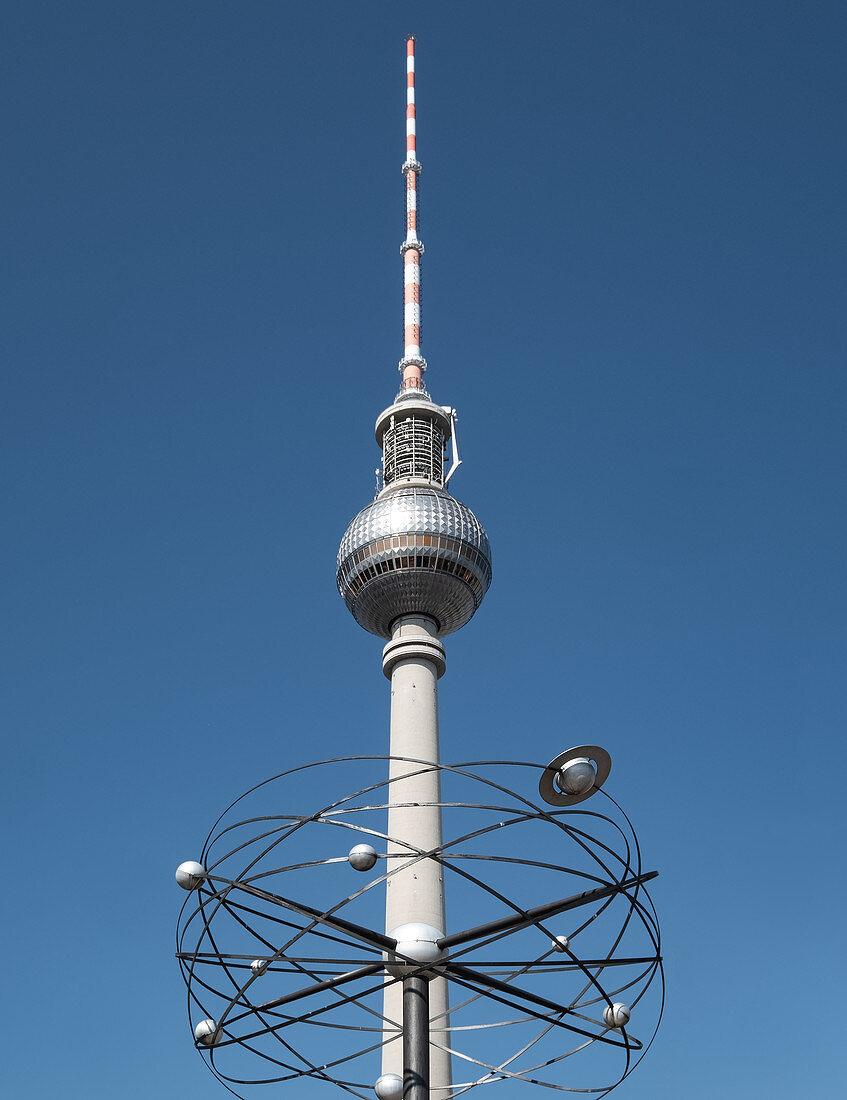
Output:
(413, 448)
(555, 977)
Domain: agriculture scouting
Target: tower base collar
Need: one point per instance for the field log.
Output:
(415, 646)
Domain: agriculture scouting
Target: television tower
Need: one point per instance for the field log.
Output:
(413, 566)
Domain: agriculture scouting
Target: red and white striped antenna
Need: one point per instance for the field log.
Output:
(413, 364)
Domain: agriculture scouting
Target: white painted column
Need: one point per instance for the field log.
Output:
(414, 660)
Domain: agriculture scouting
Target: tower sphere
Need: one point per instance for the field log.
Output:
(414, 551)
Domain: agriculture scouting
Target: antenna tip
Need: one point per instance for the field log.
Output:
(411, 39)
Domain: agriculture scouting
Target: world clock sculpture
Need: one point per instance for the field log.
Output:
(295, 973)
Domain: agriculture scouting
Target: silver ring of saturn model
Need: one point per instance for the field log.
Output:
(414, 551)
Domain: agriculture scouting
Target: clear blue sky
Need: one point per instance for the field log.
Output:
(633, 293)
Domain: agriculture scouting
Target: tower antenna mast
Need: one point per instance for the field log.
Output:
(413, 364)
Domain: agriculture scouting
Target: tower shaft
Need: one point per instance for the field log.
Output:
(414, 661)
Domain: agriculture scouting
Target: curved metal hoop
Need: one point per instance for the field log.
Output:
(286, 964)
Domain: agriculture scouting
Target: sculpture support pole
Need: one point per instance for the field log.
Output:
(414, 661)
(415, 1038)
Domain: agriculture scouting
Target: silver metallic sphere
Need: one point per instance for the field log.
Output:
(577, 776)
(416, 941)
(560, 943)
(190, 874)
(414, 551)
(362, 857)
(205, 1035)
(389, 1087)
(616, 1015)
(259, 966)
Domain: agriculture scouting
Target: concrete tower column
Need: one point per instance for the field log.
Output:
(414, 661)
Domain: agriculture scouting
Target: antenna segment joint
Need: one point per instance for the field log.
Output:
(412, 361)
